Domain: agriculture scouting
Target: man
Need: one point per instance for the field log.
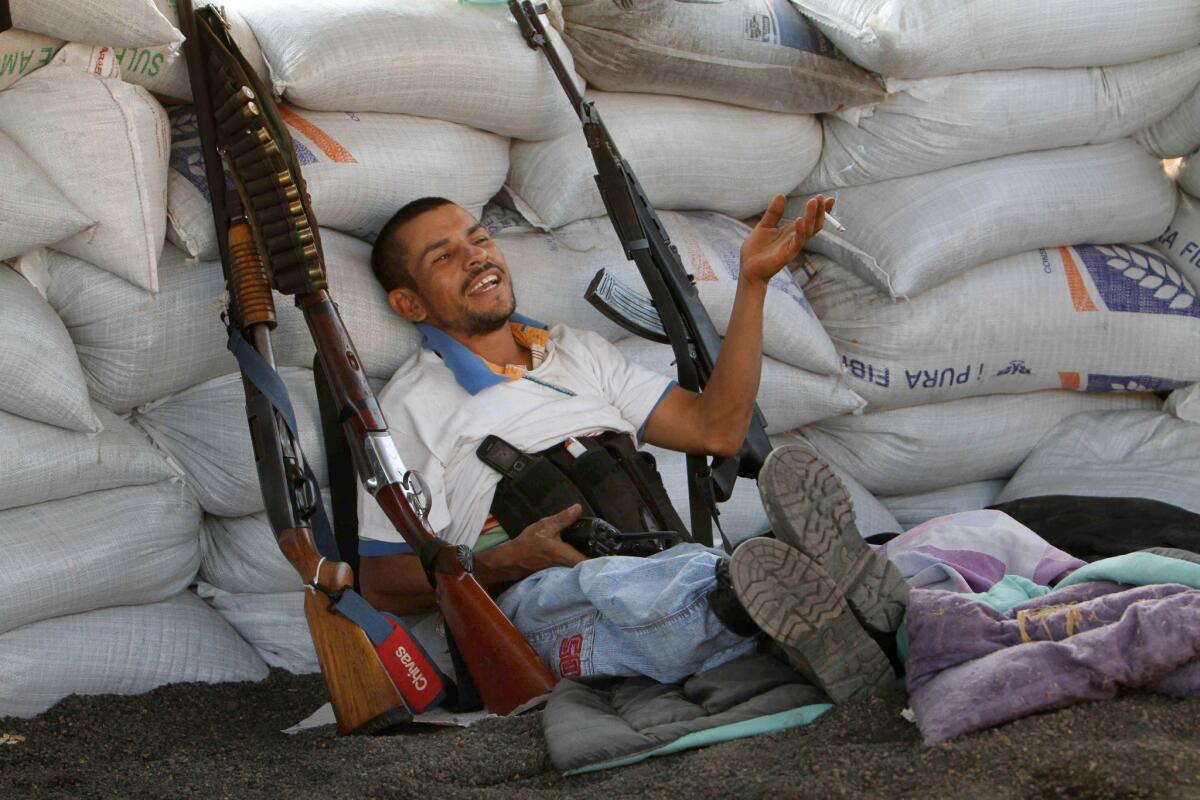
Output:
(485, 370)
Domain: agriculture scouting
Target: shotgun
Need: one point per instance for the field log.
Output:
(278, 236)
(674, 313)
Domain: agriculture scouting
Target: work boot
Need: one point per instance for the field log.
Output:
(809, 509)
(792, 600)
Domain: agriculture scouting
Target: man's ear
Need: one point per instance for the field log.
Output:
(407, 304)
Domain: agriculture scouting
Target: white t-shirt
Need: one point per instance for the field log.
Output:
(444, 401)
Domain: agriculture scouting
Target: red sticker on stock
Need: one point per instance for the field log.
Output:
(415, 676)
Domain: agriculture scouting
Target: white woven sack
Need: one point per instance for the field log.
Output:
(1184, 403)
(163, 69)
(137, 347)
(1143, 454)
(121, 650)
(788, 397)
(1178, 133)
(921, 449)
(136, 544)
(40, 462)
(21, 52)
(122, 23)
(934, 123)
(33, 212)
(757, 53)
(40, 375)
(1180, 242)
(204, 430)
(913, 509)
(688, 154)
(104, 143)
(908, 235)
(241, 554)
(923, 38)
(1188, 175)
(551, 272)
(430, 58)
(274, 624)
(360, 169)
(1096, 318)
(743, 516)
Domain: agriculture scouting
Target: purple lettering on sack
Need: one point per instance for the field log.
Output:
(1139, 280)
(1132, 383)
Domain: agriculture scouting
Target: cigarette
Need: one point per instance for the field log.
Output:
(830, 220)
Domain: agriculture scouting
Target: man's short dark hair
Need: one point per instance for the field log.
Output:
(387, 256)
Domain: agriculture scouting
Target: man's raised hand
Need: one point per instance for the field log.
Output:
(541, 543)
(769, 247)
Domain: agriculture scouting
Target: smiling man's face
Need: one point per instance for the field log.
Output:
(462, 280)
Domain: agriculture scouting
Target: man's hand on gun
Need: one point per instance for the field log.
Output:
(540, 545)
(769, 248)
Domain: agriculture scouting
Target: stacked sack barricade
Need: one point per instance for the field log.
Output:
(99, 532)
(714, 107)
(993, 278)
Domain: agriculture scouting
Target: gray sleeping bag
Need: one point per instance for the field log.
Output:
(613, 722)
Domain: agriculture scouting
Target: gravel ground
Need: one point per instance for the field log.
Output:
(224, 741)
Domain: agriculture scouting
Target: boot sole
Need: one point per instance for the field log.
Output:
(809, 508)
(795, 602)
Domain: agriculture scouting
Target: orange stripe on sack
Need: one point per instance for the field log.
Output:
(329, 146)
(1079, 292)
(1070, 380)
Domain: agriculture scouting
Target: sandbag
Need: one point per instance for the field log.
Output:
(1135, 454)
(1180, 242)
(688, 154)
(924, 38)
(550, 273)
(1178, 133)
(930, 447)
(908, 235)
(274, 624)
(913, 509)
(121, 650)
(788, 397)
(137, 347)
(360, 169)
(122, 23)
(240, 554)
(33, 211)
(1184, 403)
(40, 462)
(743, 516)
(110, 162)
(430, 58)
(126, 546)
(1188, 176)
(205, 431)
(40, 374)
(758, 53)
(934, 123)
(21, 52)
(1097, 318)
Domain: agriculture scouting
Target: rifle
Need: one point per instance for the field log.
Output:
(674, 313)
(270, 240)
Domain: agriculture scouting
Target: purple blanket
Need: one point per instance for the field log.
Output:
(972, 667)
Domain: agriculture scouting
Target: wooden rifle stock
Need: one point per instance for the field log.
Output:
(508, 673)
(363, 696)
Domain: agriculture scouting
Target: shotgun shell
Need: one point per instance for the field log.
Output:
(276, 212)
(299, 237)
(248, 145)
(271, 182)
(235, 102)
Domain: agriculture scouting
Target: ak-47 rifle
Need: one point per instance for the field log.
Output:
(269, 239)
(674, 313)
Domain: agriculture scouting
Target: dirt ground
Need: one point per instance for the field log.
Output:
(224, 741)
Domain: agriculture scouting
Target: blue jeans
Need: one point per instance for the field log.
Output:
(626, 616)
